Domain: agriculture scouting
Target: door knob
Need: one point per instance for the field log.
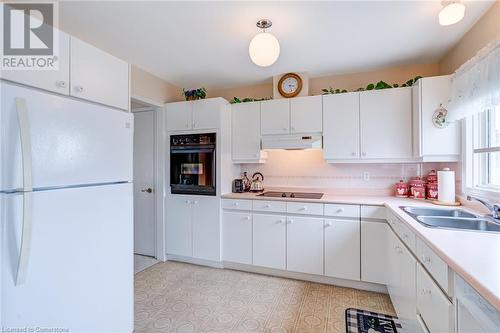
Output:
(79, 89)
(148, 190)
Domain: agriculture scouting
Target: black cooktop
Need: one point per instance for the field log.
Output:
(296, 195)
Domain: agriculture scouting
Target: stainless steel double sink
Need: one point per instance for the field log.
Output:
(451, 219)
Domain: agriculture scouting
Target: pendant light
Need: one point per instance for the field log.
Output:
(452, 12)
(264, 48)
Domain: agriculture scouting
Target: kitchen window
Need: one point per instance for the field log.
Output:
(485, 151)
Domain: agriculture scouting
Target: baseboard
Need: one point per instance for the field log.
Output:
(361, 285)
(195, 261)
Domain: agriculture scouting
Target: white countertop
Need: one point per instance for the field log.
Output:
(475, 256)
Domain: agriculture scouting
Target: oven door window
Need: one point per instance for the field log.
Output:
(192, 170)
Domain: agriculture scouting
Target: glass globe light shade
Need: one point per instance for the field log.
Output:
(264, 49)
(452, 13)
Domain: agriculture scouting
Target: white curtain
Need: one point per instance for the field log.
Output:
(476, 84)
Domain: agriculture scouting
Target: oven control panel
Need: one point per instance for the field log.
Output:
(192, 139)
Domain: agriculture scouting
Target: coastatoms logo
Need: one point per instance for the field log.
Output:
(28, 36)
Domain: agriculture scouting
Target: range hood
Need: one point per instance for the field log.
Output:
(292, 141)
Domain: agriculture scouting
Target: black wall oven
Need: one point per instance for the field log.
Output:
(192, 164)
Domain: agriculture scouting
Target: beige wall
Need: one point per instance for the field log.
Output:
(345, 81)
(144, 84)
(483, 32)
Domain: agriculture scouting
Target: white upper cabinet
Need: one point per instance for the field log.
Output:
(52, 80)
(433, 144)
(200, 114)
(206, 113)
(178, 116)
(98, 76)
(275, 116)
(306, 114)
(341, 126)
(386, 124)
(245, 127)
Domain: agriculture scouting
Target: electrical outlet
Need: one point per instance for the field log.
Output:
(366, 176)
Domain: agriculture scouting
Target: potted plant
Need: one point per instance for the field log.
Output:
(193, 94)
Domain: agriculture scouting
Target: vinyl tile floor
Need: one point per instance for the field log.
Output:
(178, 297)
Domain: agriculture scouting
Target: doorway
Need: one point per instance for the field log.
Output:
(147, 215)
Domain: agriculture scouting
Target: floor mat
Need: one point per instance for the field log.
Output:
(361, 321)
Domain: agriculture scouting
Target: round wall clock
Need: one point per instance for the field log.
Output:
(290, 85)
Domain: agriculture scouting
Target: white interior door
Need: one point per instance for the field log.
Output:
(144, 194)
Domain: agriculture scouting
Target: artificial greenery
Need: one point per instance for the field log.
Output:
(236, 100)
(191, 94)
(373, 86)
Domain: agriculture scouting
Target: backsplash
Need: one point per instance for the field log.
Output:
(307, 168)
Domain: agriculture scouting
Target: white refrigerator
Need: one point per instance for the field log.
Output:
(66, 214)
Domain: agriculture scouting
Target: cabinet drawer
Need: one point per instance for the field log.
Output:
(434, 307)
(237, 204)
(269, 206)
(406, 235)
(435, 265)
(373, 212)
(342, 210)
(304, 208)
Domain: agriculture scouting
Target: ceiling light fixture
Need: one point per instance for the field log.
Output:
(264, 48)
(451, 13)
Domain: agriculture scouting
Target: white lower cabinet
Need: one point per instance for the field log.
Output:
(432, 304)
(178, 226)
(193, 227)
(342, 248)
(269, 241)
(374, 252)
(206, 228)
(402, 283)
(304, 242)
(237, 237)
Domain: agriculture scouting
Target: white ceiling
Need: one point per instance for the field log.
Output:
(193, 44)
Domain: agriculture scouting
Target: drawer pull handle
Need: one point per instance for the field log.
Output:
(426, 259)
(405, 236)
(290, 221)
(236, 204)
(247, 218)
(267, 206)
(303, 208)
(280, 221)
(328, 224)
(340, 210)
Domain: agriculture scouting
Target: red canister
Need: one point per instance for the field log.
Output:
(401, 189)
(432, 191)
(416, 182)
(419, 191)
(432, 177)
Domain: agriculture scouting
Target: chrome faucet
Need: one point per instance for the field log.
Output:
(493, 208)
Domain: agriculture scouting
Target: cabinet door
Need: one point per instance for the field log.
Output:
(374, 252)
(306, 114)
(304, 240)
(434, 92)
(98, 76)
(342, 249)
(237, 237)
(206, 228)
(386, 124)
(269, 241)
(206, 113)
(245, 131)
(341, 126)
(179, 227)
(52, 80)
(275, 116)
(403, 284)
(179, 116)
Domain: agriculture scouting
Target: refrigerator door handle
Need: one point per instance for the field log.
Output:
(24, 252)
(24, 130)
